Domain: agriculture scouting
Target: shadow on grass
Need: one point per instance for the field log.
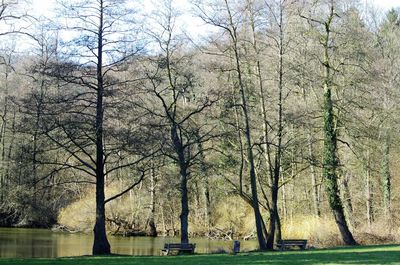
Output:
(342, 255)
(324, 257)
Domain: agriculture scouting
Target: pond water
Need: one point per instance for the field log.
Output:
(43, 243)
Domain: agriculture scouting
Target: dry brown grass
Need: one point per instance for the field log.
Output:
(379, 232)
(80, 215)
(320, 232)
(323, 232)
(232, 218)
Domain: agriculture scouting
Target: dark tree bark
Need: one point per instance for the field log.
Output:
(177, 143)
(101, 246)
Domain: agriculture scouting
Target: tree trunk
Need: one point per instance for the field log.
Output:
(316, 207)
(368, 193)
(101, 246)
(330, 168)
(284, 201)
(184, 216)
(273, 219)
(386, 177)
(346, 197)
(207, 200)
(278, 228)
(197, 193)
(206, 188)
(330, 140)
(247, 133)
(184, 205)
(165, 233)
(3, 131)
(152, 224)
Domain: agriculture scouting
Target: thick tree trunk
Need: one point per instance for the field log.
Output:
(274, 208)
(330, 140)
(184, 206)
(346, 198)
(101, 246)
(184, 216)
(330, 169)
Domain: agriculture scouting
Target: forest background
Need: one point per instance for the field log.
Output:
(278, 115)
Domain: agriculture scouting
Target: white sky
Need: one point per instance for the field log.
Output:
(45, 6)
(386, 4)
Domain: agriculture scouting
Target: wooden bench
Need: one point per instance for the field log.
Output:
(179, 248)
(289, 243)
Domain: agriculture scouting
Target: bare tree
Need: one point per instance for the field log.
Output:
(83, 114)
(180, 102)
(226, 18)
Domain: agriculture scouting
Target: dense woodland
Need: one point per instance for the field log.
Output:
(281, 121)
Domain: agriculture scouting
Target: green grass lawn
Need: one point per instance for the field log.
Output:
(388, 254)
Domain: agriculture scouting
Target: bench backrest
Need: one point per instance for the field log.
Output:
(179, 245)
(292, 241)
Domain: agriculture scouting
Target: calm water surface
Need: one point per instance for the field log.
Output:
(42, 243)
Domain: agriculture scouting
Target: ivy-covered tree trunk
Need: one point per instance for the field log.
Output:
(330, 168)
(330, 159)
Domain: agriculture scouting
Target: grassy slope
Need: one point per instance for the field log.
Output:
(389, 254)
